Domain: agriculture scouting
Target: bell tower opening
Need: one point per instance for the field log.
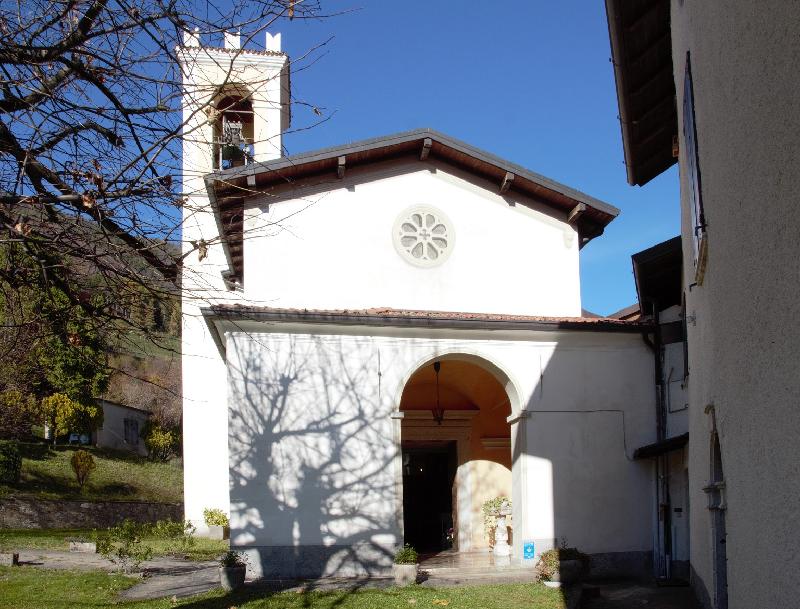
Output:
(233, 132)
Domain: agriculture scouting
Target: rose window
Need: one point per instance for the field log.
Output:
(423, 236)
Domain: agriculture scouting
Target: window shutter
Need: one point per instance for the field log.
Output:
(693, 174)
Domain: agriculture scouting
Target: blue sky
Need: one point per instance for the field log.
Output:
(530, 81)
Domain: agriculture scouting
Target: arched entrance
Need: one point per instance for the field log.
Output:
(453, 465)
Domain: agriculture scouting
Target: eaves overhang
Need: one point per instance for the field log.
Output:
(412, 319)
(641, 52)
(229, 189)
(657, 273)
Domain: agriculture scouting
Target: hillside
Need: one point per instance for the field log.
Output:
(119, 476)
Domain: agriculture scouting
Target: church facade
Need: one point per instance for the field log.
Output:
(380, 337)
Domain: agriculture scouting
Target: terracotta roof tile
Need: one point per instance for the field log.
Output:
(243, 51)
(387, 315)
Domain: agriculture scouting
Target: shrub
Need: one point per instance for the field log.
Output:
(161, 442)
(233, 559)
(19, 415)
(123, 546)
(406, 556)
(215, 518)
(549, 561)
(65, 415)
(82, 464)
(10, 462)
(180, 533)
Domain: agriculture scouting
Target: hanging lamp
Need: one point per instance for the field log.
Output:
(438, 411)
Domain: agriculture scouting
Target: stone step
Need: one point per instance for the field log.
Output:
(478, 570)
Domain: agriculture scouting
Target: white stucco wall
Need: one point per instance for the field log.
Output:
(591, 408)
(331, 247)
(314, 450)
(743, 342)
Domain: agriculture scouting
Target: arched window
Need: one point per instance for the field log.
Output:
(233, 132)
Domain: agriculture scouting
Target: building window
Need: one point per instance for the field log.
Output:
(698, 220)
(131, 432)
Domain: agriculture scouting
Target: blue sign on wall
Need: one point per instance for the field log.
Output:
(527, 550)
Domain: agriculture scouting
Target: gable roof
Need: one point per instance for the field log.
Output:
(229, 188)
(145, 411)
(641, 51)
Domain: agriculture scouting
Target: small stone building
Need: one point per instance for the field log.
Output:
(122, 427)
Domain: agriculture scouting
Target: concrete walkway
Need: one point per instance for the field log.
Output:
(161, 576)
(167, 577)
(56, 559)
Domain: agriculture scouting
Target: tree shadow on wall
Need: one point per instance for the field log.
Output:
(312, 483)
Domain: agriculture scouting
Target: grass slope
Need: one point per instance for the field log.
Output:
(31, 588)
(119, 476)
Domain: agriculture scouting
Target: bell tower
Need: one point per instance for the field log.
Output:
(235, 104)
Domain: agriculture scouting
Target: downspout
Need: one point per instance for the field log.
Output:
(661, 465)
(656, 347)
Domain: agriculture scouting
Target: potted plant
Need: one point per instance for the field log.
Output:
(232, 570)
(450, 537)
(217, 523)
(561, 566)
(405, 566)
(495, 512)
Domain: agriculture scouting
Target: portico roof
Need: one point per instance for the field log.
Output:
(412, 318)
(228, 189)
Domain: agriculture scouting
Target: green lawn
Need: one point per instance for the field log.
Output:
(58, 539)
(47, 474)
(31, 588)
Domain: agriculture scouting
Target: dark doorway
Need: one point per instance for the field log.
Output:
(429, 470)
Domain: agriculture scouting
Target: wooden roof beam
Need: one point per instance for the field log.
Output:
(340, 166)
(641, 17)
(652, 135)
(426, 149)
(663, 72)
(576, 212)
(508, 180)
(667, 99)
(654, 44)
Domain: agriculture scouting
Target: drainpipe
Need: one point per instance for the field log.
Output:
(655, 346)
(661, 464)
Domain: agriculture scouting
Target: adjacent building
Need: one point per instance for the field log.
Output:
(122, 427)
(713, 87)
